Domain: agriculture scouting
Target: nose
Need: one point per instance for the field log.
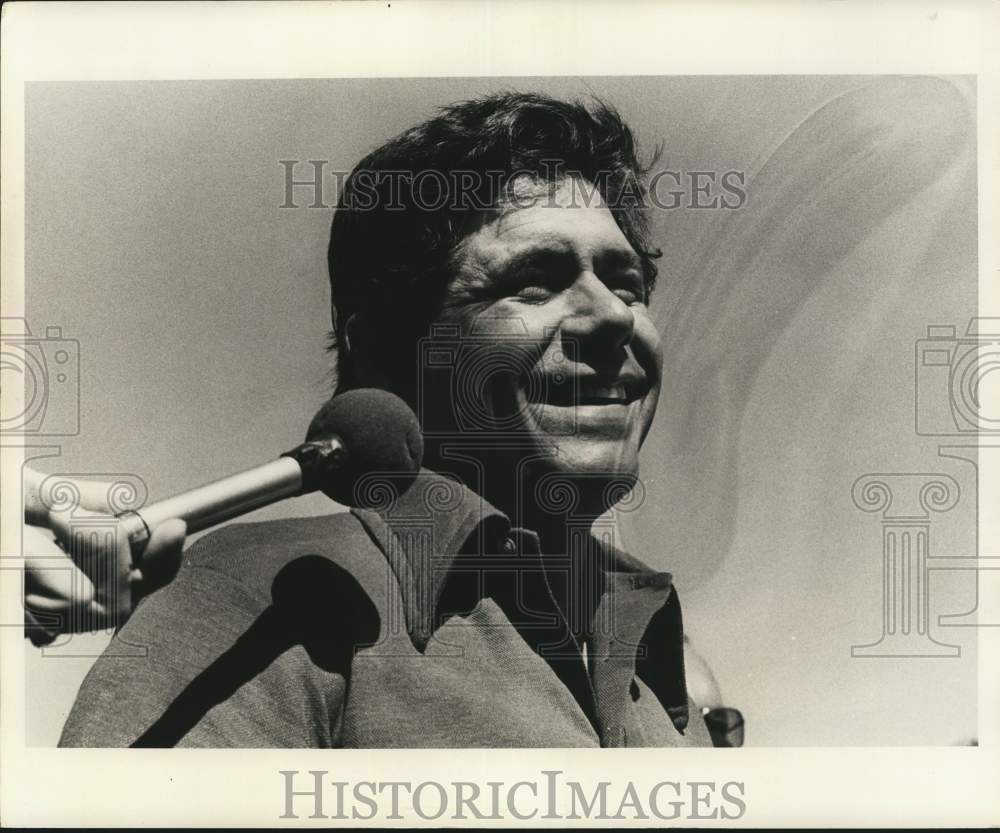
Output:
(601, 324)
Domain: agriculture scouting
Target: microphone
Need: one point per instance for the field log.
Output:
(356, 433)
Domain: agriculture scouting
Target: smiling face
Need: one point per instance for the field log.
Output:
(558, 352)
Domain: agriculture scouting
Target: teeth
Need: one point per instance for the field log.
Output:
(610, 392)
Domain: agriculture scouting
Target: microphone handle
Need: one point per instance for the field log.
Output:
(297, 472)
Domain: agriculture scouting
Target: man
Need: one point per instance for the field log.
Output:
(491, 267)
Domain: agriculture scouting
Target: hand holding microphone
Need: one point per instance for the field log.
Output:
(354, 434)
(89, 583)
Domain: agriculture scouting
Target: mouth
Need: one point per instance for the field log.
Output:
(588, 392)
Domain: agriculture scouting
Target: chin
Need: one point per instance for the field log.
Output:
(585, 476)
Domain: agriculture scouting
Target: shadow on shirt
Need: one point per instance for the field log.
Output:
(314, 603)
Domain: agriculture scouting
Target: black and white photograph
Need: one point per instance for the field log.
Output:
(460, 415)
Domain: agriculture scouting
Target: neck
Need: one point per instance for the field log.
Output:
(562, 517)
(559, 509)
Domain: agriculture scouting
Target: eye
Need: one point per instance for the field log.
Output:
(535, 286)
(629, 287)
(630, 296)
(534, 293)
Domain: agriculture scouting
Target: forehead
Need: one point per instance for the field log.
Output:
(568, 216)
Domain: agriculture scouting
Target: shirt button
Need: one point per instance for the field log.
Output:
(509, 547)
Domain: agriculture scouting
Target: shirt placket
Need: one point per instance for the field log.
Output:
(553, 641)
(619, 627)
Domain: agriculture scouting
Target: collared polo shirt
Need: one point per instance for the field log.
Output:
(429, 621)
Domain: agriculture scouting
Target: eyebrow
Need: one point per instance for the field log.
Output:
(556, 254)
(618, 258)
(535, 257)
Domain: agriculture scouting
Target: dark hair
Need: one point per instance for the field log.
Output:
(393, 237)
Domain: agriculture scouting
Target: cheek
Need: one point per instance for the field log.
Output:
(647, 349)
(509, 367)
(648, 352)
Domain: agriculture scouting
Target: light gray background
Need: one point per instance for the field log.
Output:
(154, 237)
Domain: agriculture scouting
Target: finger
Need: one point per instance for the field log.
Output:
(98, 545)
(56, 593)
(95, 495)
(50, 573)
(162, 557)
(35, 510)
(115, 596)
(37, 632)
(54, 608)
(58, 616)
(41, 492)
(40, 543)
(88, 541)
(52, 616)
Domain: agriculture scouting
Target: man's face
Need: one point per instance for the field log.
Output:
(549, 307)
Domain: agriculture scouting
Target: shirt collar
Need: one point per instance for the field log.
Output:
(426, 528)
(422, 531)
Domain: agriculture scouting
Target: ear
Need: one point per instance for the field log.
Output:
(364, 351)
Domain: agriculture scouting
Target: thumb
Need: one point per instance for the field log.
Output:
(162, 557)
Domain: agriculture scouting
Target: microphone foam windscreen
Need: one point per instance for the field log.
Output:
(382, 437)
